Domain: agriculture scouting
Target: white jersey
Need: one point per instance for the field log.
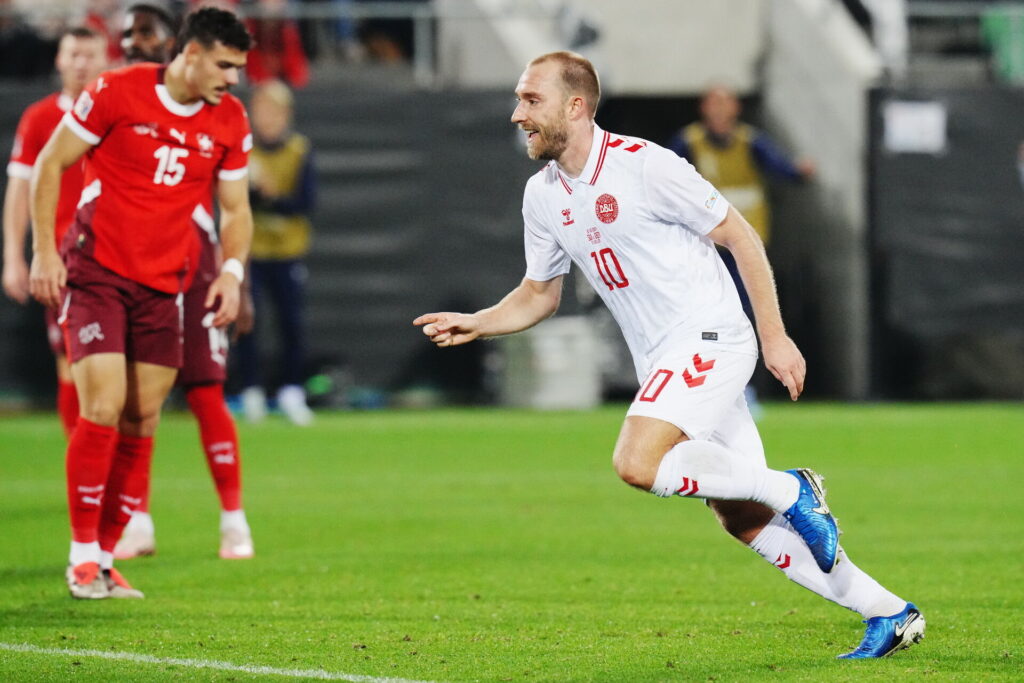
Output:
(635, 222)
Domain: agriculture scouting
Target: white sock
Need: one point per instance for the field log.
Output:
(106, 560)
(233, 519)
(706, 470)
(84, 552)
(846, 585)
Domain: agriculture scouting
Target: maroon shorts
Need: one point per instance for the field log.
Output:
(206, 346)
(103, 312)
(54, 335)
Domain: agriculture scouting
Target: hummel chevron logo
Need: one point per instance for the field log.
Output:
(782, 561)
(688, 488)
(701, 366)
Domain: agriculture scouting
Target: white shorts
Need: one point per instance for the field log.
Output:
(700, 391)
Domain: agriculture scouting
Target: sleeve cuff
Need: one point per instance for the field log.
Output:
(233, 173)
(16, 169)
(78, 129)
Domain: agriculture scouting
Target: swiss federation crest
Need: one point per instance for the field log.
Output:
(205, 144)
(606, 208)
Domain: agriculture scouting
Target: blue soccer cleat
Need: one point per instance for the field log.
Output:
(886, 635)
(811, 518)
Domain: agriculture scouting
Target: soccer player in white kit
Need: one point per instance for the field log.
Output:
(642, 225)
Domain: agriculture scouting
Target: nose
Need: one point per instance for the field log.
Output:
(232, 76)
(517, 114)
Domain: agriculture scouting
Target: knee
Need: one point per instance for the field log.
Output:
(634, 468)
(104, 412)
(139, 424)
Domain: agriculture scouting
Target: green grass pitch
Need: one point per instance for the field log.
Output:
(498, 545)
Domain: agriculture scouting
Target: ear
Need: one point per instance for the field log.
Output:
(577, 108)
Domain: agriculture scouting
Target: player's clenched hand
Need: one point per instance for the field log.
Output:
(449, 329)
(16, 279)
(47, 277)
(784, 360)
(224, 292)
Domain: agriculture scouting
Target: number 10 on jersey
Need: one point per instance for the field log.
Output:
(609, 269)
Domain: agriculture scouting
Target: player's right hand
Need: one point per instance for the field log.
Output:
(16, 280)
(47, 278)
(449, 329)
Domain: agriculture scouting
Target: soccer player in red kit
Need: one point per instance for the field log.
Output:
(155, 139)
(149, 37)
(81, 56)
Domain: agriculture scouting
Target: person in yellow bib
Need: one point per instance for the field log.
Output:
(282, 194)
(737, 158)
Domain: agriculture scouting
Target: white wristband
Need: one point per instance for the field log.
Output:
(235, 267)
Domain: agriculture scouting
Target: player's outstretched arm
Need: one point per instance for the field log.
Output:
(781, 356)
(522, 308)
(48, 275)
(235, 239)
(15, 275)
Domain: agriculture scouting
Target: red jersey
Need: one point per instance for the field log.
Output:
(34, 129)
(153, 160)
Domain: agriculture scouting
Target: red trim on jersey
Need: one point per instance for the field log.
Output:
(616, 142)
(600, 159)
(564, 184)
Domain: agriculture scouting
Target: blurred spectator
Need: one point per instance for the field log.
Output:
(283, 187)
(23, 53)
(387, 39)
(104, 17)
(735, 157)
(278, 51)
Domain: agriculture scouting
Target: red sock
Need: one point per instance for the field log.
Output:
(67, 406)
(133, 455)
(90, 454)
(220, 441)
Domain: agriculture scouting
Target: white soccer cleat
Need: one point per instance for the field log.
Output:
(254, 404)
(236, 544)
(85, 582)
(291, 399)
(119, 587)
(135, 543)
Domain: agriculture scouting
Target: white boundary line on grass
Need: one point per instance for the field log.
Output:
(203, 664)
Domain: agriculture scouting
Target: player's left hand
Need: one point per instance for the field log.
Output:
(784, 360)
(224, 293)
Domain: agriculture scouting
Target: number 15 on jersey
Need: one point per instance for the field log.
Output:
(169, 168)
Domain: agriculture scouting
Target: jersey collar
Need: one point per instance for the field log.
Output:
(175, 107)
(595, 161)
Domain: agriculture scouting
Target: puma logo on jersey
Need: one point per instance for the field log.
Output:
(90, 333)
(178, 135)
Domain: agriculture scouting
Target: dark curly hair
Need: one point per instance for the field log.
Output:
(210, 25)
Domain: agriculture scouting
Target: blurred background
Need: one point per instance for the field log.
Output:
(899, 262)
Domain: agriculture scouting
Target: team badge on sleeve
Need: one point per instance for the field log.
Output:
(606, 208)
(84, 105)
(712, 199)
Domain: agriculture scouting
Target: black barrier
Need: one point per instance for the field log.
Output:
(946, 236)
